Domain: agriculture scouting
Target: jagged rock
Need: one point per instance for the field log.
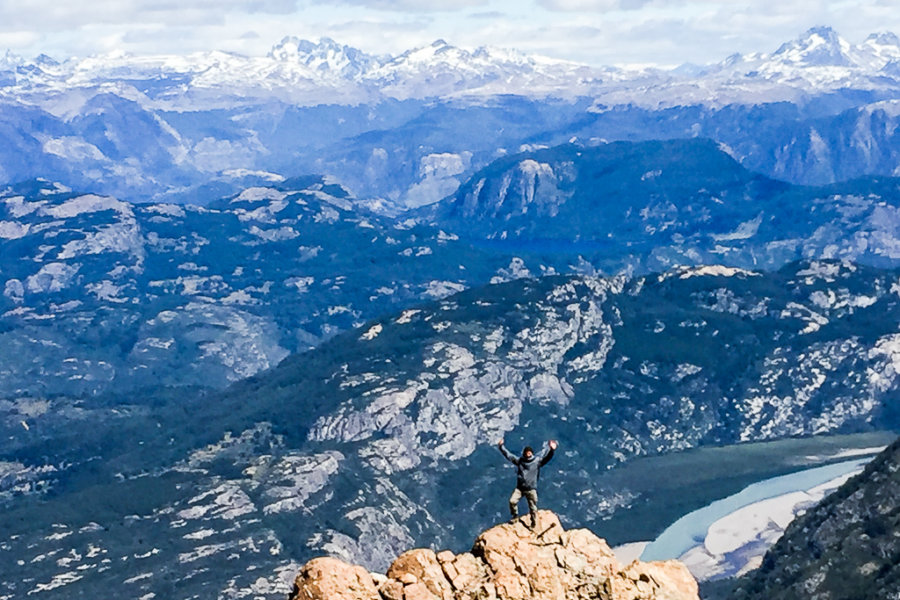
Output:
(665, 580)
(466, 573)
(507, 562)
(391, 590)
(424, 566)
(332, 579)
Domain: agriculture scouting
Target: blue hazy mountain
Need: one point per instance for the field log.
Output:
(99, 294)
(406, 130)
(652, 205)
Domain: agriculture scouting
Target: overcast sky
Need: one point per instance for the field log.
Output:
(600, 32)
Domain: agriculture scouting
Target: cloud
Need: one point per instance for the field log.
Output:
(593, 5)
(417, 6)
(593, 31)
(52, 15)
(488, 14)
(15, 39)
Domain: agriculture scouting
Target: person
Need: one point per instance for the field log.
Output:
(528, 468)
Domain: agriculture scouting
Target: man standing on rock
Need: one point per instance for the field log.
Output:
(528, 469)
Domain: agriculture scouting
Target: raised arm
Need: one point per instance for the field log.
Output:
(507, 454)
(549, 453)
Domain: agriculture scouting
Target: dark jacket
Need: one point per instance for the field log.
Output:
(528, 470)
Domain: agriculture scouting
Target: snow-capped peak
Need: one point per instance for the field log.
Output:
(45, 60)
(311, 72)
(324, 56)
(484, 62)
(437, 52)
(10, 60)
(885, 38)
(818, 47)
(816, 61)
(879, 50)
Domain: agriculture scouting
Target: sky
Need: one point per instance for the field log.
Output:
(597, 32)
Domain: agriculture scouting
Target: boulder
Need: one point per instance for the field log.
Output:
(662, 580)
(467, 575)
(422, 564)
(511, 562)
(391, 589)
(332, 579)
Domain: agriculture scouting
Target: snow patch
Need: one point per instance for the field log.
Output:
(52, 277)
(84, 205)
(744, 231)
(241, 173)
(372, 333)
(406, 316)
(72, 148)
(707, 271)
(300, 283)
(169, 210)
(259, 194)
(441, 289)
(12, 230)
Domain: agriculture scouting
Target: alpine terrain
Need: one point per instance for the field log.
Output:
(257, 310)
(362, 447)
(104, 295)
(406, 130)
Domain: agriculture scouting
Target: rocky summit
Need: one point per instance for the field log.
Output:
(508, 561)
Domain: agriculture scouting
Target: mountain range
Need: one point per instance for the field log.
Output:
(652, 205)
(259, 308)
(103, 295)
(305, 72)
(403, 131)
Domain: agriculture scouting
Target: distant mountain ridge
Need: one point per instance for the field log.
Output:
(403, 131)
(302, 72)
(439, 69)
(666, 203)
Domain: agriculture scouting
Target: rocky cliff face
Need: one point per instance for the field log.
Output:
(507, 561)
(846, 547)
(654, 205)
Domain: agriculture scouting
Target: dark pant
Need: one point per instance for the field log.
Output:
(530, 496)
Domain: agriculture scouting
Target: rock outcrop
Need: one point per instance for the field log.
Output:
(507, 562)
